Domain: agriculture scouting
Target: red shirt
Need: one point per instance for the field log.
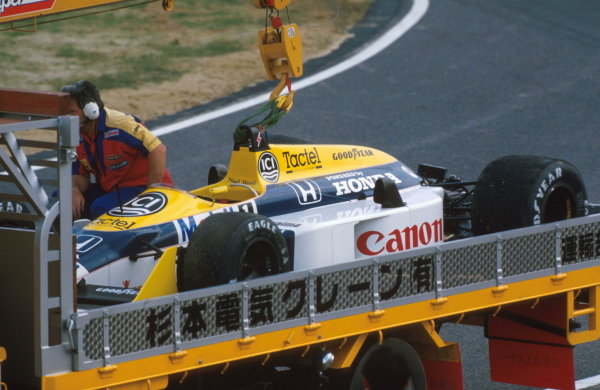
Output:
(117, 155)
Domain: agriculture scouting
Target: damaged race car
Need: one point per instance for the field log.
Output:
(284, 205)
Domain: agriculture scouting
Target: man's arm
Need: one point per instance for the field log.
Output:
(157, 162)
(80, 186)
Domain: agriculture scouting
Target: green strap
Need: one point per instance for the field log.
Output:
(271, 119)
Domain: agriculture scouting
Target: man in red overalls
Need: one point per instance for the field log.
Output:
(116, 150)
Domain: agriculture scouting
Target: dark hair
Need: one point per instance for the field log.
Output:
(83, 92)
(386, 369)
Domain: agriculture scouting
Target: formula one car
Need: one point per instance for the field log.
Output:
(293, 206)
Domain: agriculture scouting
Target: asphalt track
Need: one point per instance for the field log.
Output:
(469, 81)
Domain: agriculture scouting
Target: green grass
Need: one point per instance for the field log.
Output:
(134, 46)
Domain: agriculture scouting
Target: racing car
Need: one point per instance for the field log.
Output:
(284, 205)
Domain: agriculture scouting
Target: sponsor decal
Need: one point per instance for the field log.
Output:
(143, 204)
(344, 175)
(186, 226)
(268, 167)
(313, 218)
(114, 222)
(261, 224)
(307, 192)
(113, 157)
(541, 191)
(241, 181)
(18, 7)
(85, 242)
(111, 133)
(248, 207)
(373, 243)
(352, 154)
(308, 158)
(358, 212)
(344, 187)
(288, 224)
(118, 166)
(116, 290)
(11, 207)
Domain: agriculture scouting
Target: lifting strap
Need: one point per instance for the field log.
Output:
(275, 109)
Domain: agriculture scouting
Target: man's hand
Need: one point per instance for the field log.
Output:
(80, 186)
(157, 163)
(78, 203)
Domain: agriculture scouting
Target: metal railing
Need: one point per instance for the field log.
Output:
(32, 240)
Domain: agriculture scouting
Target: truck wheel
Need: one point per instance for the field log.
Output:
(388, 364)
(229, 247)
(517, 191)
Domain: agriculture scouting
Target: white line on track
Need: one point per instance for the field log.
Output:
(418, 10)
(586, 383)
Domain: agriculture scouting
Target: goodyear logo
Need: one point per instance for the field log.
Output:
(18, 7)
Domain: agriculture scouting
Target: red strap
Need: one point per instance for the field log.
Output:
(276, 22)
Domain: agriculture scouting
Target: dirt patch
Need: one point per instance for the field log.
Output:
(152, 63)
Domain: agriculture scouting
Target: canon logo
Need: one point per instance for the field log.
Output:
(373, 243)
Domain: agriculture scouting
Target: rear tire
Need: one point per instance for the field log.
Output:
(389, 362)
(518, 191)
(230, 247)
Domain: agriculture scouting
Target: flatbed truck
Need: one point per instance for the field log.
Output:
(535, 291)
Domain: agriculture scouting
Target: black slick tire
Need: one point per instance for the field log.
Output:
(517, 191)
(230, 247)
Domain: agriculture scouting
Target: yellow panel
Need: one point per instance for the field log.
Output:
(14, 10)
(162, 280)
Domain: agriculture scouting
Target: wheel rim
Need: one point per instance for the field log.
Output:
(259, 259)
(559, 205)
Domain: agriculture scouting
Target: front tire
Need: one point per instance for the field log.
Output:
(230, 247)
(518, 191)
